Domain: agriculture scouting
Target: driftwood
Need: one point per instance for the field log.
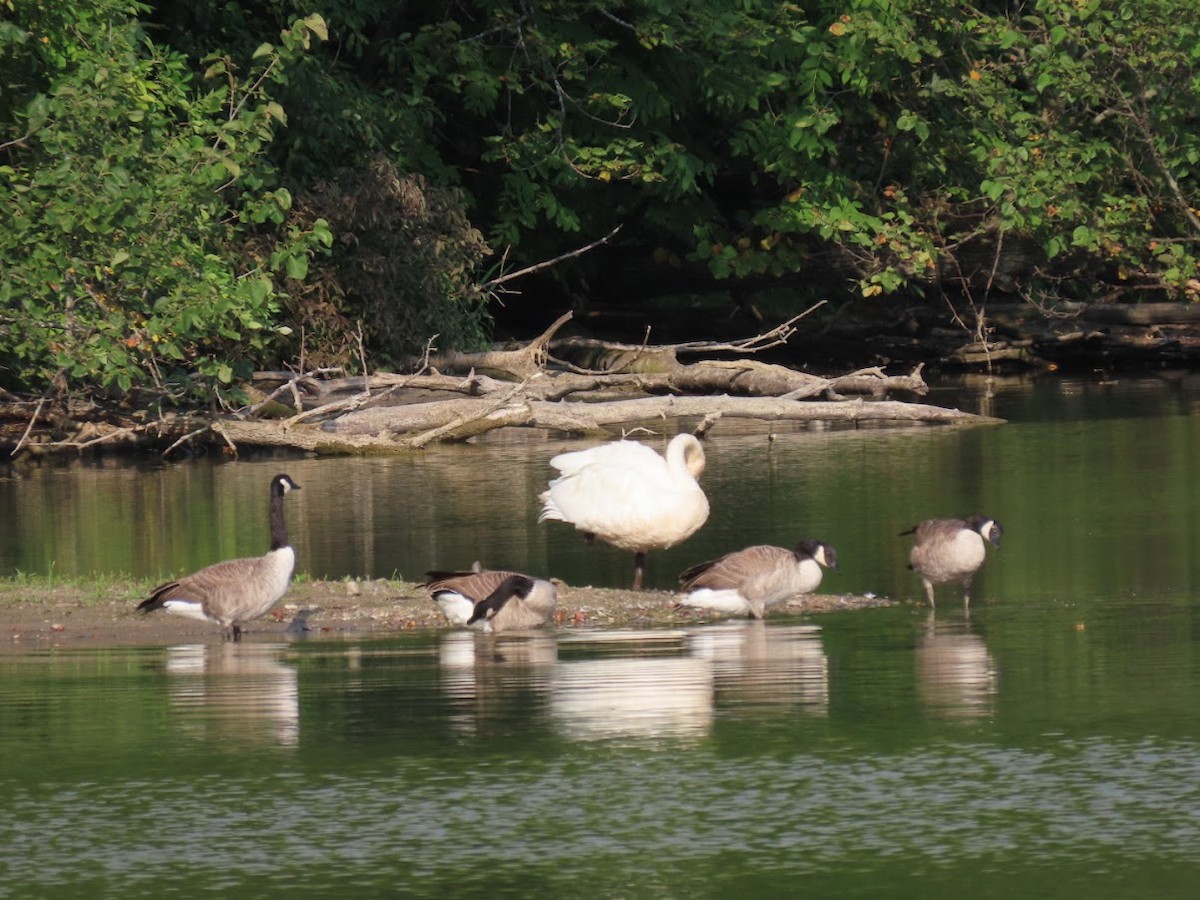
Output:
(386, 413)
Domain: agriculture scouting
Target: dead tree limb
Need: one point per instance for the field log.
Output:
(546, 264)
(522, 363)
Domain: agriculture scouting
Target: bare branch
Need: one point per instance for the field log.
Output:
(537, 267)
(29, 428)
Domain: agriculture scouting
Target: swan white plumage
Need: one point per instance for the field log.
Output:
(629, 496)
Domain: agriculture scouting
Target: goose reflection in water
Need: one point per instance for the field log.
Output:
(756, 665)
(957, 675)
(636, 697)
(235, 692)
(482, 675)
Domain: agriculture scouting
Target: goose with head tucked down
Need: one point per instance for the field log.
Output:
(951, 550)
(749, 582)
(629, 496)
(513, 603)
(236, 591)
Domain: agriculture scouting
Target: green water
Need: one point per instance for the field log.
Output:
(1046, 746)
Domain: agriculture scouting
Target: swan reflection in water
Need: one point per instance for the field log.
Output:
(632, 684)
(957, 675)
(235, 692)
(489, 677)
(757, 665)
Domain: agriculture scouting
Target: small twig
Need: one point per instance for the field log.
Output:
(362, 357)
(537, 267)
(352, 403)
(29, 427)
(188, 437)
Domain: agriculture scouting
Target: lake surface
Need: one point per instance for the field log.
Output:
(1047, 745)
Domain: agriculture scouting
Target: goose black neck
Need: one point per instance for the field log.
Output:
(279, 538)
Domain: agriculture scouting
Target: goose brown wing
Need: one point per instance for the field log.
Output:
(734, 569)
(474, 585)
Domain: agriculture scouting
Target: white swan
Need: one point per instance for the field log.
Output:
(627, 495)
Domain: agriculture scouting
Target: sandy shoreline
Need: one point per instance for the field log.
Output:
(68, 616)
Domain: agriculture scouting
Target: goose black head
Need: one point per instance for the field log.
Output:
(281, 484)
(990, 529)
(824, 554)
(512, 586)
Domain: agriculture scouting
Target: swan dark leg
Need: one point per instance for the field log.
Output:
(639, 566)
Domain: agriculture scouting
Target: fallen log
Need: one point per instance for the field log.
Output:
(397, 429)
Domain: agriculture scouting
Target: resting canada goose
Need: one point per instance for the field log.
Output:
(946, 550)
(627, 495)
(750, 581)
(236, 591)
(459, 594)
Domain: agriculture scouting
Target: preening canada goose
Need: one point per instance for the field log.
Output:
(946, 550)
(496, 600)
(629, 496)
(236, 591)
(750, 581)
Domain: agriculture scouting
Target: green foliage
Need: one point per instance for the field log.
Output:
(177, 205)
(903, 142)
(126, 196)
(404, 273)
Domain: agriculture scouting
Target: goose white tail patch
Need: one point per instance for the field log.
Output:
(726, 601)
(189, 609)
(454, 606)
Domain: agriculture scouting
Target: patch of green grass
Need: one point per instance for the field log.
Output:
(93, 588)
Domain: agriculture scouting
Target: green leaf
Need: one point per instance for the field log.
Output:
(316, 24)
(297, 267)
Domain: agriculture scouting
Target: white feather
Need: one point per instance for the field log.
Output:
(189, 609)
(628, 495)
(454, 606)
(727, 601)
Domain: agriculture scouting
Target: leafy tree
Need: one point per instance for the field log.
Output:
(164, 220)
(129, 189)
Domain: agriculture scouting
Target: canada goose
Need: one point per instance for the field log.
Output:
(750, 581)
(946, 550)
(629, 496)
(518, 602)
(514, 605)
(235, 591)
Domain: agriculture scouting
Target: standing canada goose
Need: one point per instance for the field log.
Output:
(750, 581)
(458, 595)
(629, 496)
(946, 550)
(236, 591)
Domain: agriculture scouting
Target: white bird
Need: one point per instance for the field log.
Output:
(629, 496)
(236, 591)
(750, 581)
(492, 599)
(946, 550)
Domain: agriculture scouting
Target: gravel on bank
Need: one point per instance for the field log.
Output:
(68, 616)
